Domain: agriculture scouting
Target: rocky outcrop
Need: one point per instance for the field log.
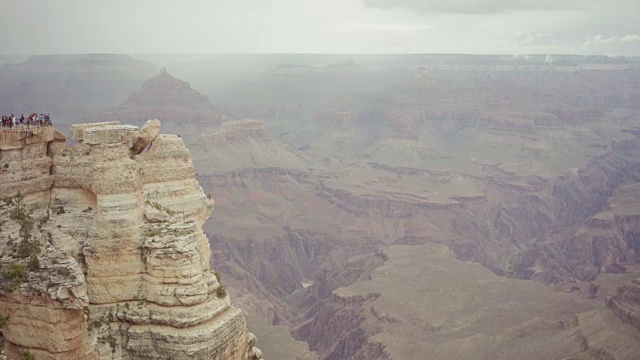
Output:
(625, 303)
(166, 92)
(108, 244)
(238, 131)
(245, 144)
(147, 134)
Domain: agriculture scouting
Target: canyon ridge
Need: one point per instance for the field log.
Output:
(367, 207)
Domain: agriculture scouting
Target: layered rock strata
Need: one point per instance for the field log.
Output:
(117, 264)
(245, 144)
(625, 303)
(184, 110)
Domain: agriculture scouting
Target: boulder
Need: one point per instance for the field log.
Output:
(147, 133)
(59, 135)
(110, 134)
(77, 130)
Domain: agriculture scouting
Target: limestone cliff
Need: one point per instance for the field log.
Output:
(102, 250)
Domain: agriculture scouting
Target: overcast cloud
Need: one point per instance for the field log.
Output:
(610, 27)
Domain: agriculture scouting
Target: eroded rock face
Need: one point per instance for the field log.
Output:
(121, 267)
(625, 303)
(245, 144)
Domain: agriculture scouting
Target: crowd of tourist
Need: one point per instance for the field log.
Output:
(11, 121)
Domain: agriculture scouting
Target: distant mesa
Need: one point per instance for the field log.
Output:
(168, 99)
(245, 144)
(346, 65)
(70, 87)
(342, 67)
(167, 92)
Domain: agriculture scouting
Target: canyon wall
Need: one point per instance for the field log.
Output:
(103, 253)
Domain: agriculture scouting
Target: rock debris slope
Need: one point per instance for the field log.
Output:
(102, 250)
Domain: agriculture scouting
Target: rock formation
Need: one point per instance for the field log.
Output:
(459, 310)
(103, 252)
(183, 110)
(245, 144)
(625, 303)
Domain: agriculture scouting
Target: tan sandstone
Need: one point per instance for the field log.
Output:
(123, 267)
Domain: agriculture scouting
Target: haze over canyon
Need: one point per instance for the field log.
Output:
(366, 207)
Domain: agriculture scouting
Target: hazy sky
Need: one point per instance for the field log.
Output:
(321, 26)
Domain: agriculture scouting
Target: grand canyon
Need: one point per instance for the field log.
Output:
(367, 207)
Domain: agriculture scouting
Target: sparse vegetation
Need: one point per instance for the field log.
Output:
(4, 320)
(18, 212)
(64, 271)
(34, 263)
(511, 270)
(15, 272)
(27, 355)
(221, 292)
(27, 246)
(159, 207)
(152, 232)
(113, 343)
(97, 324)
(58, 210)
(14, 275)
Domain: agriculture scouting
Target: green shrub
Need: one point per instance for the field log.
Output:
(159, 207)
(28, 248)
(152, 232)
(221, 292)
(27, 355)
(18, 212)
(15, 272)
(34, 263)
(4, 320)
(113, 343)
(64, 271)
